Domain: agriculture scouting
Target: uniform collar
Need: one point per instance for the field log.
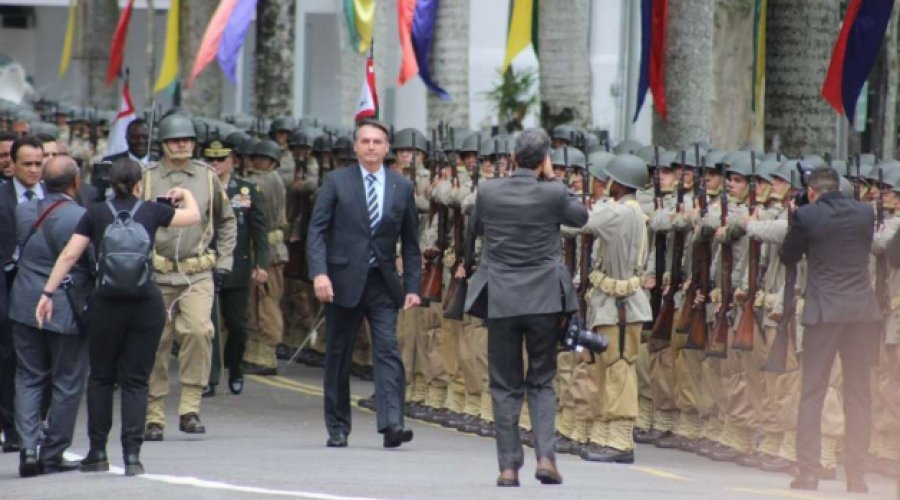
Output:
(166, 170)
(525, 172)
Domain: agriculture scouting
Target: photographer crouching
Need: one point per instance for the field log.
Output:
(523, 291)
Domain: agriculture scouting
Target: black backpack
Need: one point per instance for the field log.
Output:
(124, 263)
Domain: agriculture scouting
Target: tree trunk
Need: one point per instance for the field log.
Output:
(689, 77)
(892, 66)
(731, 125)
(799, 42)
(98, 21)
(275, 57)
(563, 42)
(204, 98)
(450, 66)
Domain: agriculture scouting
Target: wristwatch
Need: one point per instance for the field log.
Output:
(47, 294)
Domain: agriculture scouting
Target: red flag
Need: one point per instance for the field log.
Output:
(117, 49)
(657, 69)
(368, 98)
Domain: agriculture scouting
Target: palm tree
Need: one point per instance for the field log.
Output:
(275, 62)
(450, 65)
(97, 22)
(563, 42)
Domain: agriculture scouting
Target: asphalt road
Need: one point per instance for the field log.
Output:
(270, 443)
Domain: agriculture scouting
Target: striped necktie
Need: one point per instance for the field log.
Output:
(374, 209)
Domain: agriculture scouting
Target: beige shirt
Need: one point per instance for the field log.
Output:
(273, 207)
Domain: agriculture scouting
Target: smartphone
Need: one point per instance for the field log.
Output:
(165, 200)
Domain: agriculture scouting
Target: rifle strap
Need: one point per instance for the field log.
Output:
(620, 306)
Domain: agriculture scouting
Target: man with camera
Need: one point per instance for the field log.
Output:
(515, 289)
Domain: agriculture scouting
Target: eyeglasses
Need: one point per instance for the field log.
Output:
(216, 160)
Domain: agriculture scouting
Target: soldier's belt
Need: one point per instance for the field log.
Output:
(613, 287)
(765, 300)
(715, 296)
(276, 237)
(191, 265)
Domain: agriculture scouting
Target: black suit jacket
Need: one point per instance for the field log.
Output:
(8, 202)
(339, 239)
(835, 233)
(521, 270)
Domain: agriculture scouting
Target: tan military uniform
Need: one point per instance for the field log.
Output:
(184, 263)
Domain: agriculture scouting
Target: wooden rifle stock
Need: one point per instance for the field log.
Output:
(882, 293)
(746, 330)
(776, 362)
(659, 242)
(717, 347)
(702, 256)
(662, 327)
(455, 299)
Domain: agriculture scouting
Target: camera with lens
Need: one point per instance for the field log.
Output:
(100, 179)
(575, 336)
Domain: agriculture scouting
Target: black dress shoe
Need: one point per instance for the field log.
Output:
(856, 483)
(776, 464)
(508, 479)
(367, 403)
(255, 369)
(133, 465)
(472, 426)
(29, 466)
(95, 461)
(751, 460)
(527, 438)
(284, 352)
(153, 432)
(421, 412)
(457, 420)
(688, 444)
(190, 424)
(236, 384)
(669, 441)
(806, 481)
(395, 436)
(487, 429)
(59, 465)
(564, 444)
(337, 440)
(605, 454)
(11, 441)
(648, 437)
(208, 391)
(438, 416)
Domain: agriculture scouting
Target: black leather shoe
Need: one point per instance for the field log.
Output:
(190, 423)
(648, 437)
(255, 369)
(751, 460)
(724, 453)
(806, 481)
(236, 384)
(669, 441)
(595, 453)
(688, 444)
(564, 444)
(705, 447)
(95, 461)
(457, 420)
(29, 466)
(438, 416)
(337, 440)
(367, 403)
(473, 426)
(527, 438)
(776, 464)
(856, 483)
(153, 432)
(11, 441)
(361, 372)
(508, 479)
(284, 352)
(133, 465)
(420, 412)
(395, 436)
(487, 429)
(209, 391)
(59, 465)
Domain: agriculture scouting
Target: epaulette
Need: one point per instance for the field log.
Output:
(202, 163)
(151, 165)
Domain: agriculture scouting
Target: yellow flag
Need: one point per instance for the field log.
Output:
(519, 35)
(169, 69)
(70, 37)
(364, 12)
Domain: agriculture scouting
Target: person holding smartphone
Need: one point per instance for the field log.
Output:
(123, 333)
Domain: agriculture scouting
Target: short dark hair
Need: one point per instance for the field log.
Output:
(25, 140)
(44, 138)
(59, 178)
(532, 148)
(8, 136)
(824, 180)
(135, 123)
(372, 122)
(124, 174)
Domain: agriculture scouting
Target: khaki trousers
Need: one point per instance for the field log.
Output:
(191, 326)
(451, 333)
(616, 408)
(472, 362)
(301, 310)
(645, 388)
(265, 322)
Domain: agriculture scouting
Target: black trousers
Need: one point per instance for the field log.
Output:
(510, 383)
(342, 325)
(123, 336)
(233, 304)
(7, 381)
(856, 344)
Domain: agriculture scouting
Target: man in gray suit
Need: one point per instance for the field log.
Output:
(522, 289)
(55, 356)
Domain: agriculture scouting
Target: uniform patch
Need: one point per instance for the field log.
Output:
(241, 200)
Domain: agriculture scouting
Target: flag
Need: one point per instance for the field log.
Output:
(117, 48)
(117, 142)
(168, 72)
(212, 37)
(416, 21)
(759, 52)
(368, 96)
(360, 16)
(521, 31)
(854, 53)
(654, 23)
(70, 38)
(233, 37)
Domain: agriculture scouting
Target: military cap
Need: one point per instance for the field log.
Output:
(628, 170)
(629, 146)
(216, 149)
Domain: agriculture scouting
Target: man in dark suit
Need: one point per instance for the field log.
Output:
(359, 214)
(840, 316)
(522, 288)
(137, 135)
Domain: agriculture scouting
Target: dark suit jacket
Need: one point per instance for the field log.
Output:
(521, 270)
(8, 202)
(835, 233)
(339, 239)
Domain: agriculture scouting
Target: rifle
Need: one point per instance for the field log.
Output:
(587, 244)
(683, 323)
(743, 337)
(717, 347)
(701, 260)
(881, 268)
(433, 272)
(659, 242)
(455, 300)
(569, 248)
(662, 328)
(776, 362)
(856, 180)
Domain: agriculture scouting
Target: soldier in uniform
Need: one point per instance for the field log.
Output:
(185, 270)
(280, 132)
(251, 259)
(266, 323)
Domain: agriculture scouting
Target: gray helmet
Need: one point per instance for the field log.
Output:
(869, 172)
(867, 159)
(690, 158)
(629, 171)
(787, 171)
(591, 143)
(410, 138)
(281, 124)
(597, 162)
(846, 187)
(176, 127)
(628, 146)
(563, 133)
(267, 148)
(740, 164)
(575, 157)
(298, 139)
(714, 158)
(341, 143)
(234, 139)
(766, 168)
(735, 156)
(487, 147)
(321, 144)
(814, 161)
(667, 159)
(772, 155)
(470, 144)
(891, 173)
(841, 167)
(648, 154)
(248, 145)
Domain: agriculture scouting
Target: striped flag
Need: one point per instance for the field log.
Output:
(212, 37)
(66, 55)
(360, 16)
(118, 142)
(168, 72)
(368, 96)
(654, 24)
(416, 19)
(117, 48)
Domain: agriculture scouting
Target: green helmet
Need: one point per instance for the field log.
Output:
(341, 143)
(740, 164)
(628, 146)
(597, 162)
(281, 124)
(575, 157)
(846, 187)
(591, 143)
(267, 148)
(298, 139)
(234, 139)
(814, 161)
(891, 174)
(176, 127)
(766, 168)
(410, 138)
(690, 158)
(564, 133)
(667, 159)
(628, 170)
(487, 147)
(470, 143)
(734, 156)
(247, 147)
(714, 158)
(787, 171)
(648, 154)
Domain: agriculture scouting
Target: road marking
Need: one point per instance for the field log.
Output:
(659, 473)
(778, 493)
(218, 485)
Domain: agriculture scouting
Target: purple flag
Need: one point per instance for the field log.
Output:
(422, 40)
(233, 37)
